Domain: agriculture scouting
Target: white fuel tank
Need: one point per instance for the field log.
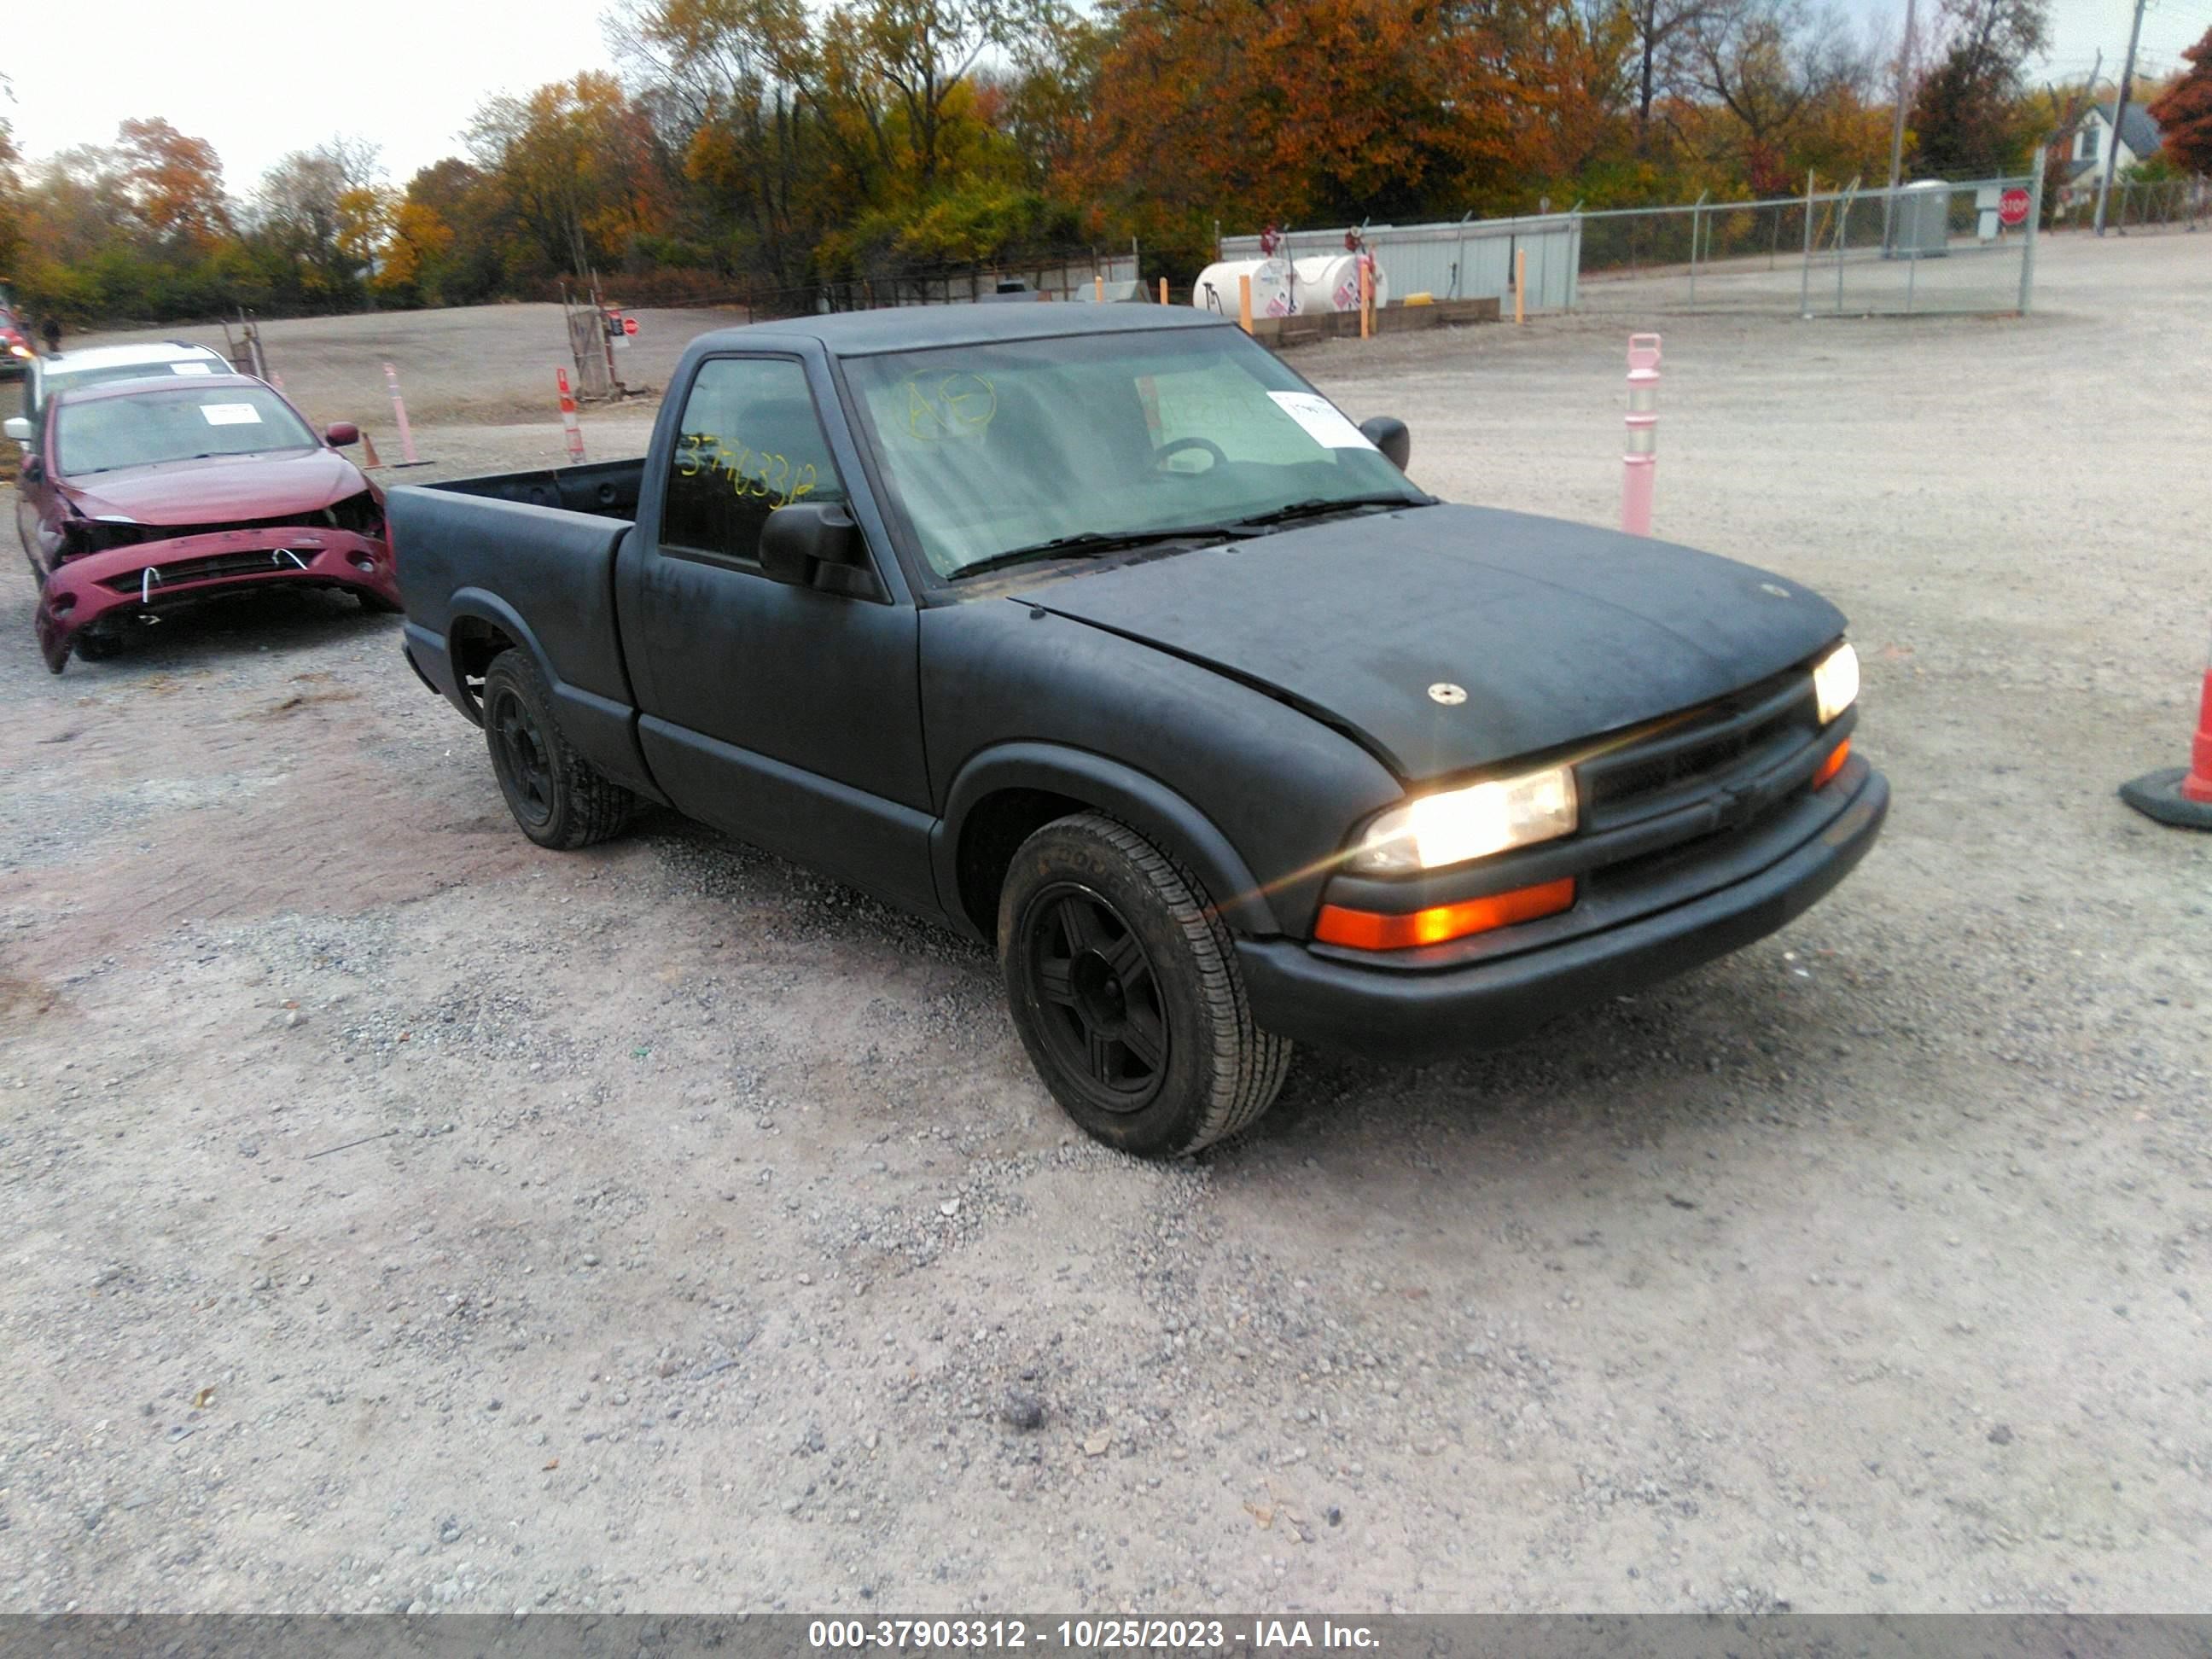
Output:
(1330, 282)
(1276, 290)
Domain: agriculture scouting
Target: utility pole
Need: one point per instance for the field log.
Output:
(1897, 127)
(2119, 109)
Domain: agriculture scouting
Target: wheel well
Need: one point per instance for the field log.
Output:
(474, 642)
(996, 827)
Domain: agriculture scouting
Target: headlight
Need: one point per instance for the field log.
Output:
(1459, 824)
(1836, 681)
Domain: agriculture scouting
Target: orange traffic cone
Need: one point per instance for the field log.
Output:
(369, 450)
(2182, 795)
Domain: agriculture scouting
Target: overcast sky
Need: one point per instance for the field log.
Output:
(257, 78)
(260, 77)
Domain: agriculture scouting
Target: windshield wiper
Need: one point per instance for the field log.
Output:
(1090, 543)
(1315, 506)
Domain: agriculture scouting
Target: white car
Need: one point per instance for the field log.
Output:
(66, 369)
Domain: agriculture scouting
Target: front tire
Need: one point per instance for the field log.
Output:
(97, 647)
(559, 798)
(1123, 984)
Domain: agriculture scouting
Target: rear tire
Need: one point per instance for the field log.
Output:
(1123, 984)
(559, 798)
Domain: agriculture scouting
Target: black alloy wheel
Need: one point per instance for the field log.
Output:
(1123, 983)
(559, 798)
(1102, 1014)
(519, 755)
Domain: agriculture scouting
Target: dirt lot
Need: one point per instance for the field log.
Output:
(494, 364)
(402, 1216)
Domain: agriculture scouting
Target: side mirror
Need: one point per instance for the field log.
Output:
(797, 540)
(17, 427)
(33, 471)
(341, 433)
(1389, 435)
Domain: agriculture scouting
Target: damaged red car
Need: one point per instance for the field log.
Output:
(145, 495)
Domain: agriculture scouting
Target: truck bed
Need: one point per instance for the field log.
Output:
(605, 489)
(529, 556)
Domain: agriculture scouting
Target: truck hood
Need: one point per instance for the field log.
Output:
(1556, 632)
(221, 488)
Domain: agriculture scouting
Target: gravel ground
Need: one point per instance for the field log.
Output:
(402, 1217)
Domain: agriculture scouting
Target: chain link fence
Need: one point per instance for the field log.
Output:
(1932, 246)
(2160, 204)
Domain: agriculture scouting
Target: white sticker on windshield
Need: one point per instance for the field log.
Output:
(230, 414)
(189, 369)
(1325, 423)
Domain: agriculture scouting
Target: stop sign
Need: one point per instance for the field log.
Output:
(2012, 207)
(630, 324)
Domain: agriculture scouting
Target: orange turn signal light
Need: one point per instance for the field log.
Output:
(1375, 930)
(1833, 765)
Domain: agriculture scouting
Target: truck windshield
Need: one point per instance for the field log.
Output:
(103, 434)
(990, 449)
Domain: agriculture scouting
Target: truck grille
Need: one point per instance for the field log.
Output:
(1701, 752)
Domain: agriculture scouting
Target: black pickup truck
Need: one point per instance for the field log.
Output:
(1097, 633)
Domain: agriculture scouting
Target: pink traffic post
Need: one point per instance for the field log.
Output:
(1641, 461)
(407, 455)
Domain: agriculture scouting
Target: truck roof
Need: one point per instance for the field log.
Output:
(912, 328)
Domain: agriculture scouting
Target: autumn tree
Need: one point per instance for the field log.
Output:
(308, 214)
(720, 82)
(75, 205)
(1968, 114)
(366, 214)
(1044, 93)
(1570, 70)
(575, 159)
(460, 234)
(1662, 32)
(416, 240)
(2184, 111)
(1777, 75)
(1307, 111)
(870, 135)
(173, 184)
(899, 69)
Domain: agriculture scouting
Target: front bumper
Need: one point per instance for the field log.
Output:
(107, 588)
(1408, 1014)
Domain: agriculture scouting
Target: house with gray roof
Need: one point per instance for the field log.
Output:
(2093, 138)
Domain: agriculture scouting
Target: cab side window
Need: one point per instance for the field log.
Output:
(751, 442)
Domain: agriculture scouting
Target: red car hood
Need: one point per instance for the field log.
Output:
(215, 490)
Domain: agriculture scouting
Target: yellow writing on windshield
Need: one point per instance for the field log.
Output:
(941, 406)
